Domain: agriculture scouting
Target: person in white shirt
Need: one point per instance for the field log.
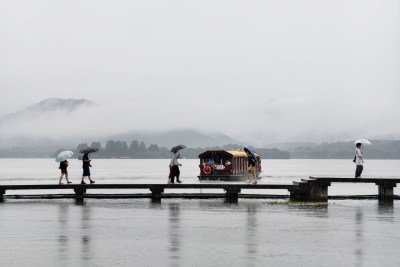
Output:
(175, 168)
(359, 160)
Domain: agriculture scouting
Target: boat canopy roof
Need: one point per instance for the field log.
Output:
(240, 153)
(229, 153)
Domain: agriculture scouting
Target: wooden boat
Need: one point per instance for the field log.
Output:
(225, 165)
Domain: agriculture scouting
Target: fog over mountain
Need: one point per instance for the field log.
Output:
(68, 122)
(45, 108)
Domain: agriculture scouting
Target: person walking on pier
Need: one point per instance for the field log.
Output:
(175, 168)
(86, 168)
(63, 167)
(359, 161)
(251, 167)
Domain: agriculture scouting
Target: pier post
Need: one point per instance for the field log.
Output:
(2, 193)
(312, 191)
(385, 191)
(80, 193)
(156, 192)
(232, 194)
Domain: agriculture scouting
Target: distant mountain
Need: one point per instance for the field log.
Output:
(45, 115)
(45, 107)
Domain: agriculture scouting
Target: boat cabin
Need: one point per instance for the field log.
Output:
(225, 165)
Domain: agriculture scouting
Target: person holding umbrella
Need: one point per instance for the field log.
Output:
(63, 166)
(86, 168)
(359, 161)
(62, 158)
(251, 166)
(175, 172)
(86, 164)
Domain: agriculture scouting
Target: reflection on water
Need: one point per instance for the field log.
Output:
(80, 201)
(63, 235)
(174, 232)
(180, 232)
(251, 232)
(359, 237)
(318, 210)
(85, 232)
(386, 208)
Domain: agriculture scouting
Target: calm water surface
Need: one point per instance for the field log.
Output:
(181, 232)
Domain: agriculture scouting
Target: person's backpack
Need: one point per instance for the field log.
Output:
(354, 160)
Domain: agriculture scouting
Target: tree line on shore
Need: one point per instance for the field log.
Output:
(139, 150)
(380, 149)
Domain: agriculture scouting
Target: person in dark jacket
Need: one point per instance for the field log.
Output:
(251, 168)
(63, 167)
(86, 168)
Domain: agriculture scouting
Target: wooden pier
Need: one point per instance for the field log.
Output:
(309, 190)
(157, 190)
(316, 188)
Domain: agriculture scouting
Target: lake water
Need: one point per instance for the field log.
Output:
(182, 232)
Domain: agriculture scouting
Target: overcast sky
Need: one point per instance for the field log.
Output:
(274, 70)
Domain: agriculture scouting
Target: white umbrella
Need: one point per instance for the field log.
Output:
(64, 156)
(362, 141)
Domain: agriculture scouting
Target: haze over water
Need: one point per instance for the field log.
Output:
(182, 232)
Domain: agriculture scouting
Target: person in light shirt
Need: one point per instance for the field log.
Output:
(359, 161)
(175, 168)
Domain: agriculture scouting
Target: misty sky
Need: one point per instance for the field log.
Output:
(272, 70)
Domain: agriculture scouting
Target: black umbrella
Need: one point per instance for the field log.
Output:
(177, 148)
(89, 150)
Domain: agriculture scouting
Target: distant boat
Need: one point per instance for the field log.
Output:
(225, 165)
